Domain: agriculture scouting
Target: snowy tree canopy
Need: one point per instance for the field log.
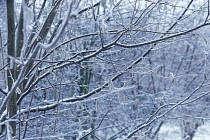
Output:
(103, 69)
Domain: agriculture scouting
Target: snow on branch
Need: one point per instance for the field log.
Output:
(50, 45)
(161, 39)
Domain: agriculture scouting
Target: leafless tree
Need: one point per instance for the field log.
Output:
(88, 69)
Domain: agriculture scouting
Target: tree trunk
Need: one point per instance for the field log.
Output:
(11, 106)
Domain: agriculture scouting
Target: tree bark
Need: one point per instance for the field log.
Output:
(11, 106)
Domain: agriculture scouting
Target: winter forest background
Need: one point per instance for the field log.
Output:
(103, 70)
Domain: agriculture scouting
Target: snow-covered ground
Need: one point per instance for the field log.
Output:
(173, 132)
